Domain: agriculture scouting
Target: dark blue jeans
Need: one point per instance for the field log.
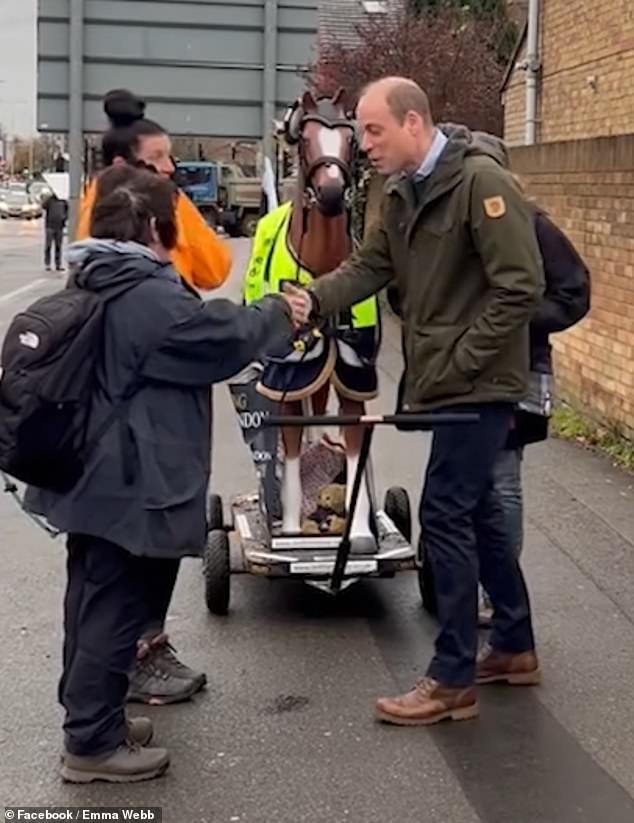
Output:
(507, 485)
(466, 537)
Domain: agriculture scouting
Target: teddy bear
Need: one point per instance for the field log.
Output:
(329, 516)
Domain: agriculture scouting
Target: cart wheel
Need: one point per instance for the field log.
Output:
(215, 518)
(398, 509)
(217, 572)
(426, 580)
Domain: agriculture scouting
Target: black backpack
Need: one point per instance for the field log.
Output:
(49, 359)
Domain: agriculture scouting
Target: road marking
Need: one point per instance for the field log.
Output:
(5, 298)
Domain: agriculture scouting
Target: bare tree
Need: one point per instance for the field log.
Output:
(450, 51)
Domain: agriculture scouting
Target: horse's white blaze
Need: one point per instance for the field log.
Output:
(330, 144)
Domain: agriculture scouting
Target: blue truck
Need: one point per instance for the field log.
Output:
(223, 193)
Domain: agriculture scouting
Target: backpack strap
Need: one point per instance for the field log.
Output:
(10, 487)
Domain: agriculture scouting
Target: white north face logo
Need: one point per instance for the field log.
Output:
(30, 340)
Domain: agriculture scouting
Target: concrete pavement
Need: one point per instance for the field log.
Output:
(285, 733)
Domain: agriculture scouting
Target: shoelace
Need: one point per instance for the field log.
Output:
(426, 686)
(149, 665)
(168, 652)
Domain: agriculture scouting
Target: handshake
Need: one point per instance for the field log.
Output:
(300, 303)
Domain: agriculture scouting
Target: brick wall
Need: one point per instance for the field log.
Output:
(587, 186)
(588, 68)
(587, 77)
(514, 101)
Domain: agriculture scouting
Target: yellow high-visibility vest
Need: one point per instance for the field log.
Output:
(272, 264)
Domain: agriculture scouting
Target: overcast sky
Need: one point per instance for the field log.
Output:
(17, 61)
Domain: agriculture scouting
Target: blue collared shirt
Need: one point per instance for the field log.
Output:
(431, 159)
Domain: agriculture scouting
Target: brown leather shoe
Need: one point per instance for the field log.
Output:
(500, 667)
(427, 703)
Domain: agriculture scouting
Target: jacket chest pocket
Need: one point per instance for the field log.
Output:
(437, 223)
(430, 246)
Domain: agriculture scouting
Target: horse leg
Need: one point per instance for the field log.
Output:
(292, 482)
(319, 400)
(318, 406)
(361, 535)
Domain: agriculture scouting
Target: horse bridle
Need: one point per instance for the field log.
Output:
(347, 169)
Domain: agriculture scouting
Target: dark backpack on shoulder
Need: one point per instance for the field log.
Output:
(49, 360)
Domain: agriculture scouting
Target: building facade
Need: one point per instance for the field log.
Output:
(582, 172)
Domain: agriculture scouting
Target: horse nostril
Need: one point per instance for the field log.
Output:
(330, 198)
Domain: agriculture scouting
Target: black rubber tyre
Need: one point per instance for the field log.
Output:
(215, 518)
(398, 509)
(217, 572)
(211, 218)
(249, 225)
(426, 581)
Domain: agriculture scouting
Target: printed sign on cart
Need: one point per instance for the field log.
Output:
(328, 567)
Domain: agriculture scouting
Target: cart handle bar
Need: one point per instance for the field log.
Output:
(423, 421)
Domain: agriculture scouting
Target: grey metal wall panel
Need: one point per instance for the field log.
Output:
(199, 63)
(217, 120)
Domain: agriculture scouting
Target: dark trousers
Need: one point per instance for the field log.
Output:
(164, 574)
(106, 609)
(465, 533)
(112, 599)
(54, 236)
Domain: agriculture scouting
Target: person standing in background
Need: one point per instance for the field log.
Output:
(56, 211)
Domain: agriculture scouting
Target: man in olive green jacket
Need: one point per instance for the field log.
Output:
(457, 239)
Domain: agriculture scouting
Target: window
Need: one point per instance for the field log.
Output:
(193, 176)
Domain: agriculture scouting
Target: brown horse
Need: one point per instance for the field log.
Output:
(320, 239)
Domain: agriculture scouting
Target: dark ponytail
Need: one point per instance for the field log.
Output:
(126, 113)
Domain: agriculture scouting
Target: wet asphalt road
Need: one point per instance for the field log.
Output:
(285, 733)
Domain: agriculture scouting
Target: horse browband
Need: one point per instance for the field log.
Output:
(326, 160)
(326, 121)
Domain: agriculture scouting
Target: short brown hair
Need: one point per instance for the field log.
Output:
(129, 201)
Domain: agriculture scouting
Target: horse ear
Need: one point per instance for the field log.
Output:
(308, 101)
(340, 98)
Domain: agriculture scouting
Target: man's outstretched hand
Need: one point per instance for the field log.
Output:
(300, 304)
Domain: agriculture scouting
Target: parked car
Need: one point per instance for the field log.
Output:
(40, 191)
(19, 204)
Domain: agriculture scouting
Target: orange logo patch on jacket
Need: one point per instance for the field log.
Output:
(495, 207)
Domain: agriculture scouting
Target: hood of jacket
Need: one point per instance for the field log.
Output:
(111, 266)
(466, 143)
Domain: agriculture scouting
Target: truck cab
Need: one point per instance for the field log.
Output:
(223, 193)
(198, 179)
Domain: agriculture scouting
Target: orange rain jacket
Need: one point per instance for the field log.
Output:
(200, 257)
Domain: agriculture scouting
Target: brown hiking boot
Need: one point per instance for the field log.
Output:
(501, 667)
(427, 703)
(127, 764)
(140, 732)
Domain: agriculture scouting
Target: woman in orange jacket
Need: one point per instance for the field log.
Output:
(200, 257)
(203, 261)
